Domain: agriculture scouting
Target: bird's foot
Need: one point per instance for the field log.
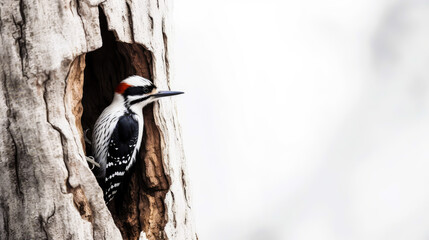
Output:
(91, 160)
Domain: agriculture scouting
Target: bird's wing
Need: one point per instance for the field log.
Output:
(120, 152)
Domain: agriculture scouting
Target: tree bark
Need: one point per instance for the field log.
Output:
(60, 62)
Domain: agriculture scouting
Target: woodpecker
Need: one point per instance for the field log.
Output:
(118, 131)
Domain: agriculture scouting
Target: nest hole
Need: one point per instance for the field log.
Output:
(141, 204)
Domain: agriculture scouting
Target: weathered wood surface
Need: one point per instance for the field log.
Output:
(47, 190)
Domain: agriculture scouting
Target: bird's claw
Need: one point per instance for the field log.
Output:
(91, 160)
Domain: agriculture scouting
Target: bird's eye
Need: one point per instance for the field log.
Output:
(147, 90)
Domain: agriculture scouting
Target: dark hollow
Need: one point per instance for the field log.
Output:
(105, 68)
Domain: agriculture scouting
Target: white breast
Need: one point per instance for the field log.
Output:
(104, 127)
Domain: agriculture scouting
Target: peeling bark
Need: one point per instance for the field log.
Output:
(59, 66)
(74, 92)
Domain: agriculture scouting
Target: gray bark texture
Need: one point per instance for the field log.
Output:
(47, 190)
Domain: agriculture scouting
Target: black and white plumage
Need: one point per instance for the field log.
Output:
(118, 132)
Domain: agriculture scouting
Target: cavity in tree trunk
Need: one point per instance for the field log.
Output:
(60, 62)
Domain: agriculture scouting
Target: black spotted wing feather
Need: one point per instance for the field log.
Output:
(120, 152)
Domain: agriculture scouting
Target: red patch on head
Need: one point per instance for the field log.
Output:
(122, 87)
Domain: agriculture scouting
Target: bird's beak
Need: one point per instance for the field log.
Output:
(161, 94)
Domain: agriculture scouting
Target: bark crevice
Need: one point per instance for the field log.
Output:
(20, 39)
(165, 55)
(78, 9)
(44, 223)
(183, 178)
(130, 20)
(5, 221)
(11, 115)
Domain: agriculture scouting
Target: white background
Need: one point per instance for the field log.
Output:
(305, 119)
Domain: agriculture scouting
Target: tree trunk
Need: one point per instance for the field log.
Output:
(60, 61)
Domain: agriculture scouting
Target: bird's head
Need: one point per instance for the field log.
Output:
(137, 92)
